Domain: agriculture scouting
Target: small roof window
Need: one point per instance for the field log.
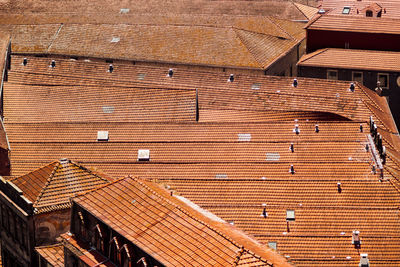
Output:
(346, 10)
(290, 215)
(143, 155)
(102, 135)
(272, 244)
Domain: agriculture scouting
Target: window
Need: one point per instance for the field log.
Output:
(357, 77)
(82, 225)
(346, 10)
(115, 255)
(332, 75)
(126, 256)
(272, 244)
(99, 238)
(368, 13)
(383, 78)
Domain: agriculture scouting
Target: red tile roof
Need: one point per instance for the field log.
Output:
(239, 42)
(352, 59)
(335, 7)
(53, 254)
(237, 151)
(355, 24)
(173, 230)
(67, 11)
(51, 187)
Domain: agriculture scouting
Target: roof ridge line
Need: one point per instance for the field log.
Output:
(47, 183)
(90, 171)
(313, 54)
(235, 29)
(277, 25)
(99, 187)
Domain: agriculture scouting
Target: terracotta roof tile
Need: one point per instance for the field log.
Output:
(308, 11)
(355, 24)
(71, 10)
(172, 230)
(52, 186)
(53, 254)
(353, 59)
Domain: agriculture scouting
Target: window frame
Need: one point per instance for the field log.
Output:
(346, 10)
(332, 70)
(357, 72)
(387, 80)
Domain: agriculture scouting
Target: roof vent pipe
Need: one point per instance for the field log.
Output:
(316, 128)
(356, 241)
(339, 187)
(53, 64)
(231, 78)
(170, 73)
(25, 61)
(352, 87)
(296, 129)
(294, 83)
(110, 68)
(291, 147)
(291, 170)
(361, 128)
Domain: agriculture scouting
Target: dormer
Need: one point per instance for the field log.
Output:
(372, 10)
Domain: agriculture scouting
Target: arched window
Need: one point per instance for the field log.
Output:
(126, 256)
(99, 238)
(115, 254)
(82, 225)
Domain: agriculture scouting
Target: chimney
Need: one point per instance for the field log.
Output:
(361, 128)
(294, 83)
(25, 61)
(316, 128)
(291, 169)
(170, 73)
(356, 239)
(110, 68)
(339, 187)
(291, 147)
(352, 87)
(364, 261)
(231, 78)
(53, 64)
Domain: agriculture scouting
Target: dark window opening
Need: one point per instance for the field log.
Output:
(368, 13)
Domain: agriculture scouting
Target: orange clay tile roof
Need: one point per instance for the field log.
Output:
(352, 59)
(88, 254)
(173, 230)
(308, 11)
(53, 254)
(98, 8)
(51, 187)
(335, 7)
(355, 24)
(235, 158)
(241, 42)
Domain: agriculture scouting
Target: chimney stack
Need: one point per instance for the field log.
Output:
(292, 147)
(110, 68)
(25, 61)
(53, 63)
(364, 261)
(295, 83)
(339, 187)
(352, 87)
(356, 241)
(231, 78)
(361, 128)
(291, 169)
(316, 128)
(296, 129)
(264, 213)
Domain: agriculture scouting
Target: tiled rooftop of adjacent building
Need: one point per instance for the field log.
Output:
(53, 254)
(353, 59)
(330, 22)
(238, 42)
(171, 229)
(51, 187)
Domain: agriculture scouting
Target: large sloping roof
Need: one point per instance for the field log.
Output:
(353, 59)
(174, 231)
(240, 42)
(355, 24)
(237, 154)
(51, 187)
